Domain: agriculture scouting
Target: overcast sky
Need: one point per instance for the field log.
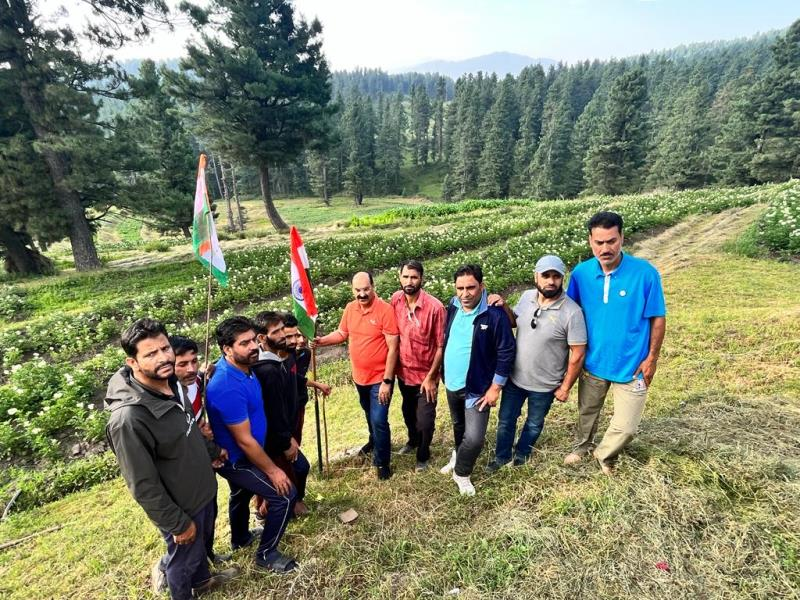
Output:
(392, 35)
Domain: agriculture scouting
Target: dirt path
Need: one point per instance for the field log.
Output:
(696, 237)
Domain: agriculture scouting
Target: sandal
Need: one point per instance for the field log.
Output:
(277, 562)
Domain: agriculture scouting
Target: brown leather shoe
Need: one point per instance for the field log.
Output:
(572, 458)
(606, 468)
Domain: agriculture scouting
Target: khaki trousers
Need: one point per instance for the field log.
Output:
(629, 401)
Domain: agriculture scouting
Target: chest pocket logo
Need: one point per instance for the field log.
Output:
(373, 322)
(623, 293)
(484, 327)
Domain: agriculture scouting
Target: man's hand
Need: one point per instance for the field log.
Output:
(562, 394)
(495, 300)
(313, 344)
(384, 393)
(261, 506)
(280, 481)
(323, 387)
(647, 369)
(205, 429)
(208, 369)
(220, 460)
(187, 537)
(291, 452)
(490, 397)
(430, 387)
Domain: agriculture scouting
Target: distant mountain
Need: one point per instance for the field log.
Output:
(496, 62)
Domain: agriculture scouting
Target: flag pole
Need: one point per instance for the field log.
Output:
(316, 404)
(208, 304)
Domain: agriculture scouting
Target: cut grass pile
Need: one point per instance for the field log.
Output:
(706, 503)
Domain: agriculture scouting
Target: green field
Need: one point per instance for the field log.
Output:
(710, 487)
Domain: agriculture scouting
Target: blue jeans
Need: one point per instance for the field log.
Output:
(510, 408)
(377, 415)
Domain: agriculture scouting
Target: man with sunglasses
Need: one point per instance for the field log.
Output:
(551, 345)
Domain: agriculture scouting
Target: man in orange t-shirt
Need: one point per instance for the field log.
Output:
(369, 324)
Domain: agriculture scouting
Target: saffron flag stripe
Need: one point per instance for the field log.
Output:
(204, 233)
(304, 305)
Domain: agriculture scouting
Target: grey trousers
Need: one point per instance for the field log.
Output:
(469, 431)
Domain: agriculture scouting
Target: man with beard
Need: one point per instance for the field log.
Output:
(236, 411)
(165, 460)
(478, 355)
(369, 324)
(551, 345)
(276, 371)
(623, 301)
(420, 319)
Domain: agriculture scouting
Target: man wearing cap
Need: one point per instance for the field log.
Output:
(551, 345)
(623, 302)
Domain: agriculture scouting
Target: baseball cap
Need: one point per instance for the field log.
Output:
(550, 262)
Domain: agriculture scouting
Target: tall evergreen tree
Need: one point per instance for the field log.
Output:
(616, 161)
(437, 134)
(420, 125)
(169, 156)
(548, 165)
(531, 99)
(497, 158)
(57, 86)
(260, 83)
(777, 156)
(358, 141)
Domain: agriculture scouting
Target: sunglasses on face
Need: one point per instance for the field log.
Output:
(537, 313)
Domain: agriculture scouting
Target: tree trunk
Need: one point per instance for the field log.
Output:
(187, 233)
(223, 192)
(325, 197)
(239, 215)
(266, 196)
(21, 256)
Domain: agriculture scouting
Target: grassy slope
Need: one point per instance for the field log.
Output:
(710, 485)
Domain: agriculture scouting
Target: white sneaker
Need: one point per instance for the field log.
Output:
(445, 470)
(464, 484)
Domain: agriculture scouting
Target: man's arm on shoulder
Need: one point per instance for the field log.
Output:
(134, 453)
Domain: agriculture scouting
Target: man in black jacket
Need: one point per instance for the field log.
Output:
(479, 352)
(276, 371)
(164, 459)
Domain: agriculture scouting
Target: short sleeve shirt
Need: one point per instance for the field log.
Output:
(421, 335)
(233, 397)
(365, 329)
(618, 307)
(543, 352)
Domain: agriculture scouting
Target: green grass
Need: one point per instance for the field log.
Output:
(709, 487)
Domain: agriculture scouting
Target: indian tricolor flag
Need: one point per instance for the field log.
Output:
(204, 234)
(303, 304)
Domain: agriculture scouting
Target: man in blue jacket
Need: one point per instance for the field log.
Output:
(479, 351)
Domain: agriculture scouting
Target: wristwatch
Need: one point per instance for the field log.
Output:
(388, 381)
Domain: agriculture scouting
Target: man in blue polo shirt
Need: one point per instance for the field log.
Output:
(623, 302)
(236, 412)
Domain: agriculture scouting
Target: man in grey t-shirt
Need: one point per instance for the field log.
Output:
(551, 345)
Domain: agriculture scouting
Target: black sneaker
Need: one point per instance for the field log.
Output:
(366, 449)
(520, 461)
(384, 472)
(218, 559)
(276, 562)
(494, 466)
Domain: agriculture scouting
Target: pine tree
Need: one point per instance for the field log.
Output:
(531, 93)
(735, 142)
(420, 125)
(616, 160)
(497, 158)
(437, 135)
(154, 122)
(548, 166)
(358, 142)
(260, 83)
(56, 86)
(681, 156)
(777, 111)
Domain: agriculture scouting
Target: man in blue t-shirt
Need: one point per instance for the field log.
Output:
(236, 412)
(623, 302)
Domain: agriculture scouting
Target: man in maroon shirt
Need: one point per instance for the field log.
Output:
(420, 318)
